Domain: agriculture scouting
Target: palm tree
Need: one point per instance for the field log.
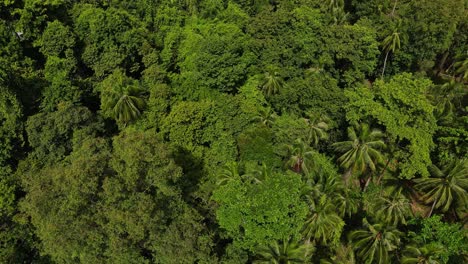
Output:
(340, 17)
(390, 44)
(284, 252)
(392, 209)
(347, 202)
(336, 10)
(361, 153)
(394, 7)
(266, 116)
(300, 156)
(230, 172)
(461, 67)
(445, 185)
(375, 242)
(273, 84)
(446, 98)
(318, 126)
(343, 254)
(122, 98)
(323, 224)
(428, 254)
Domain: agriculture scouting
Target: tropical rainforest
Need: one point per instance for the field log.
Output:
(234, 131)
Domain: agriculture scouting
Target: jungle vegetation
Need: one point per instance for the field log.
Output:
(233, 131)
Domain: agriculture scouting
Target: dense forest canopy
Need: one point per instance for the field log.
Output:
(234, 131)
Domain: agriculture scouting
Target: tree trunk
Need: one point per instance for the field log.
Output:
(394, 6)
(432, 208)
(346, 177)
(382, 172)
(367, 183)
(385, 64)
(442, 62)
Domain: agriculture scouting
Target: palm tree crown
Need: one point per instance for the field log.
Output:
(284, 252)
(390, 44)
(361, 153)
(273, 84)
(318, 126)
(122, 98)
(300, 156)
(375, 242)
(445, 185)
(427, 254)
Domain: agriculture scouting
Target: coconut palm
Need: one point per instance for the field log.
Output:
(323, 224)
(390, 44)
(347, 202)
(258, 175)
(122, 98)
(446, 98)
(445, 185)
(361, 153)
(336, 10)
(300, 156)
(229, 172)
(273, 84)
(428, 254)
(375, 242)
(343, 254)
(283, 252)
(392, 209)
(461, 67)
(318, 125)
(340, 16)
(266, 116)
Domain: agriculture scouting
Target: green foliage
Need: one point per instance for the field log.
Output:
(401, 107)
(446, 240)
(57, 40)
(258, 214)
(11, 126)
(112, 38)
(211, 131)
(354, 51)
(52, 135)
(212, 56)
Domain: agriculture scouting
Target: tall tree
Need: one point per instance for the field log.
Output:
(447, 185)
(391, 209)
(362, 152)
(266, 116)
(390, 44)
(374, 243)
(323, 225)
(401, 106)
(273, 84)
(318, 126)
(427, 254)
(299, 159)
(284, 252)
(122, 98)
